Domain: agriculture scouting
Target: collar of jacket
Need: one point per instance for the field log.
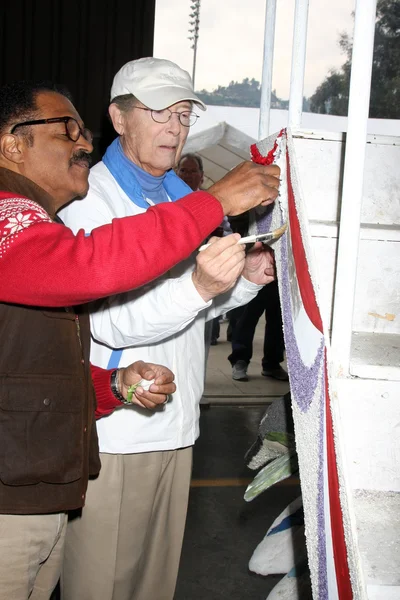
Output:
(20, 185)
(119, 166)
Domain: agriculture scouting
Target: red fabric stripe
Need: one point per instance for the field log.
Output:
(310, 305)
(300, 260)
(258, 158)
(338, 539)
(312, 310)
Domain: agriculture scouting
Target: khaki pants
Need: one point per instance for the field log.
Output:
(127, 543)
(31, 554)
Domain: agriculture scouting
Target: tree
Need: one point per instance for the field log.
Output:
(332, 96)
(246, 93)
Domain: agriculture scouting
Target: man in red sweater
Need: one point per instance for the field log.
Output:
(48, 442)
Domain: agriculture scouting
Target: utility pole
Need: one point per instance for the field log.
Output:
(194, 20)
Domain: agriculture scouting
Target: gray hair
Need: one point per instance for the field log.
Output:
(125, 102)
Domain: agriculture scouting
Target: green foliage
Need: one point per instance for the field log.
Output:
(286, 439)
(246, 93)
(278, 469)
(332, 96)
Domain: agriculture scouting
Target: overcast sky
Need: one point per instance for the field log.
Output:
(230, 45)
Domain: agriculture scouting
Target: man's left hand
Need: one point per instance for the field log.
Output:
(158, 392)
(259, 266)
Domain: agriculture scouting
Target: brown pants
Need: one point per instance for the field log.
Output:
(127, 544)
(31, 554)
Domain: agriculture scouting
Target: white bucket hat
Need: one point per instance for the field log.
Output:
(155, 82)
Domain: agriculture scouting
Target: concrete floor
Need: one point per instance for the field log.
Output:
(222, 389)
(222, 530)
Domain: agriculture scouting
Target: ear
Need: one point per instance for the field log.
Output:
(117, 118)
(12, 148)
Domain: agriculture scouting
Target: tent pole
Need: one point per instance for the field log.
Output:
(268, 59)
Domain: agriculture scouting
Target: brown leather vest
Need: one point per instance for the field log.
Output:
(48, 440)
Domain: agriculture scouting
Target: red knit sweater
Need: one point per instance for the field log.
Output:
(106, 402)
(43, 263)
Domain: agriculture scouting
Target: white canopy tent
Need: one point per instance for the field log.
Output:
(223, 134)
(221, 147)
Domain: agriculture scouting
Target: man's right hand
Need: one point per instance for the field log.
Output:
(246, 186)
(219, 266)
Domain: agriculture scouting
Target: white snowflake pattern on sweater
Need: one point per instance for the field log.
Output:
(16, 215)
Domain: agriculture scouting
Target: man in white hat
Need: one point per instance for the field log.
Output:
(126, 545)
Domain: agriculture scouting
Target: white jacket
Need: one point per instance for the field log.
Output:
(162, 323)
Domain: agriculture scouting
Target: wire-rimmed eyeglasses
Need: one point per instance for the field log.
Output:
(72, 128)
(187, 118)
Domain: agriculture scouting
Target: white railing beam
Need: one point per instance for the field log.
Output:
(268, 61)
(298, 63)
(353, 177)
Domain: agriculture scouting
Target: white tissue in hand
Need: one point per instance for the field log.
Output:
(145, 384)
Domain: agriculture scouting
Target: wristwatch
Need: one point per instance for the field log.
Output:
(115, 388)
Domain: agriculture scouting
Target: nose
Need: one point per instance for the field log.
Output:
(174, 124)
(82, 142)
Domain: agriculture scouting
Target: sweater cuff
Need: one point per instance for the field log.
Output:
(207, 210)
(106, 402)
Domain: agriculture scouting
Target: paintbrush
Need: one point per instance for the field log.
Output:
(265, 238)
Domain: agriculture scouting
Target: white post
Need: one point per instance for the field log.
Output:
(350, 216)
(298, 63)
(268, 60)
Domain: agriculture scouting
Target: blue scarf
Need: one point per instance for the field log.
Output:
(139, 185)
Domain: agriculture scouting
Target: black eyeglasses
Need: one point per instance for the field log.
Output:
(187, 118)
(72, 128)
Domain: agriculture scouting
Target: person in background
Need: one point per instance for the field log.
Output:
(127, 542)
(266, 302)
(190, 169)
(243, 322)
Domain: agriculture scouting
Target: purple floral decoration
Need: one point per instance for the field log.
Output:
(303, 379)
(303, 382)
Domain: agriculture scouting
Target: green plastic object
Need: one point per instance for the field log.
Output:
(277, 470)
(131, 390)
